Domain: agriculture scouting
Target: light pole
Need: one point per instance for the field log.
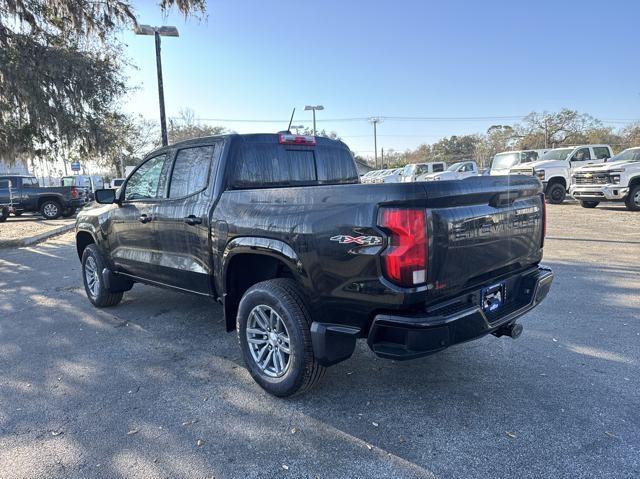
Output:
(375, 121)
(314, 108)
(157, 32)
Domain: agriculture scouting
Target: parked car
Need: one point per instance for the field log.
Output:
(417, 171)
(89, 183)
(51, 202)
(555, 168)
(116, 183)
(306, 260)
(503, 162)
(457, 171)
(616, 180)
(394, 176)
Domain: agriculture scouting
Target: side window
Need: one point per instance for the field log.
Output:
(601, 152)
(582, 155)
(190, 171)
(143, 183)
(29, 183)
(438, 167)
(529, 156)
(5, 183)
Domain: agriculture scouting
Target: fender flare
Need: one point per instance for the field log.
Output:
(257, 245)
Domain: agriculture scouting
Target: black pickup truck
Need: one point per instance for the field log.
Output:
(24, 194)
(306, 260)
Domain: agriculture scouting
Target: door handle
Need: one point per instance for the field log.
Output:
(193, 220)
(144, 218)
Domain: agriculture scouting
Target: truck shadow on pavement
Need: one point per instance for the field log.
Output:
(155, 388)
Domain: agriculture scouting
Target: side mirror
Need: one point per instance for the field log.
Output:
(106, 197)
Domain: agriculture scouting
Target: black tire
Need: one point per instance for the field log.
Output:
(4, 214)
(51, 209)
(97, 292)
(284, 297)
(633, 198)
(69, 212)
(556, 193)
(589, 204)
(17, 213)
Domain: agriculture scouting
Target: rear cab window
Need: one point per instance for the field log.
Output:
(261, 162)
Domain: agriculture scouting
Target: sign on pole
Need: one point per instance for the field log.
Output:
(75, 166)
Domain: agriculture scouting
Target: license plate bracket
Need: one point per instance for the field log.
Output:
(493, 298)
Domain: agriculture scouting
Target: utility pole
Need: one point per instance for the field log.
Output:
(165, 31)
(375, 121)
(546, 133)
(314, 108)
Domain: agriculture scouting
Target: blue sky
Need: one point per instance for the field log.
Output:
(256, 60)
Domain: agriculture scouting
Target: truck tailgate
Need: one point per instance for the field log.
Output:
(483, 227)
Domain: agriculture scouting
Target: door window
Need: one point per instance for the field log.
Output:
(144, 183)
(582, 155)
(190, 171)
(601, 152)
(29, 183)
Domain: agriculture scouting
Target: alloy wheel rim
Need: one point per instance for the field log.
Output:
(91, 276)
(269, 341)
(50, 209)
(636, 198)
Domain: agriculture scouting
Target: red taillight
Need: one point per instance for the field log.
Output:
(291, 139)
(74, 192)
(544, 219)
(404, 262)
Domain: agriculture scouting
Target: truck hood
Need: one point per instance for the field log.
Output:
(609, 166)
(542, 164)
(442, 175)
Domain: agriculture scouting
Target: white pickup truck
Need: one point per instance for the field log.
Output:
(616, 180)
(457, 171)
(417, 171)
(503, 162)
(555, 168)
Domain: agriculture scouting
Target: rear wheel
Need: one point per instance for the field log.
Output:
(589, 204)
(273, 329)
(4, 214)
(556, 193)
(633, 199)
(97, 292)
(51, 209)
(17, 213)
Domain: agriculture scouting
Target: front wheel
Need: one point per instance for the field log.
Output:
(633, 199)
(556, 193)
(589, 204)
(97, 292)
(4, 214)
(51, 209)
(273, 330)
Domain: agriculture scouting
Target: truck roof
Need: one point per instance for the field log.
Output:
(250, 136)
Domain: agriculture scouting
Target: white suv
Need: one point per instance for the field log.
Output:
(616, 180)
(556, 166)
(503, 162)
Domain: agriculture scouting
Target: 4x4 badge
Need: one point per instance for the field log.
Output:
(360, 240)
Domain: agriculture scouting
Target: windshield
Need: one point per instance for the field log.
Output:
(559, 154)
(505, 160)
(408, 170)
(455, 166)
(632, 154)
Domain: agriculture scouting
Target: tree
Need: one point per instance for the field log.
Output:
(546, 130)
(454, 148)
(60, 73)
(187, 127)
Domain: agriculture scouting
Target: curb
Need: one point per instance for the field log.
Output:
(17, 243)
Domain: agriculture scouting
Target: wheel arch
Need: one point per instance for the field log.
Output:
(55, 198)
(557, 179)
(83, 239)
(250, 260)
(634, 181)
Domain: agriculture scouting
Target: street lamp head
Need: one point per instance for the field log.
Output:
(310, 107)
(165, 31)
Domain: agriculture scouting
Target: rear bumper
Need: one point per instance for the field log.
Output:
(460, 320)
(599, 193)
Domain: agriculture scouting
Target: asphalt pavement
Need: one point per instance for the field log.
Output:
(155, 386)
